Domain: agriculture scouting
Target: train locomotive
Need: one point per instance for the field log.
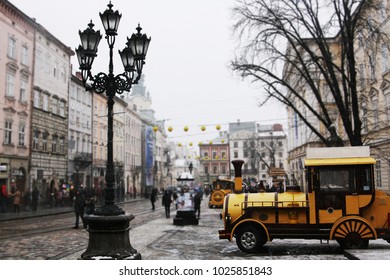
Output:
(340, 202)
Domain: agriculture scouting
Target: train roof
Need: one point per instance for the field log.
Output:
(338, 156)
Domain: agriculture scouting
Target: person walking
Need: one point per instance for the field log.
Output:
(35, 197)
(79, 206)
(174, 195)
(3, 199)
(166, 202)
(17, 196)
(197, 202)
(27, 199)
(153, 197)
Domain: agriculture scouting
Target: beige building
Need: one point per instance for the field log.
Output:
(99, 136)
(16, 78)
(133, 151)
(372, 64)
(80, 134)
(52, 71)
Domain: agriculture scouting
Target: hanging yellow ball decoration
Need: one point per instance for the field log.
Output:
(179, 144)
(190, 143)
(170, 129)
(200, 143)
(218, 127)
(222, 141)
(203, 128)
(211, 142)
(186, 128)
(155, 128)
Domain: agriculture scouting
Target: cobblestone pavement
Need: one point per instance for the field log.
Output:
(156, 238)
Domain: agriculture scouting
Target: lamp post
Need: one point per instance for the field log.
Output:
(109, 225)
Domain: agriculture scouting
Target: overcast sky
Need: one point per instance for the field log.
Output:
(187, 67)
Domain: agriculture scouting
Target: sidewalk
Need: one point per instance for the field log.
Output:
(47, 211)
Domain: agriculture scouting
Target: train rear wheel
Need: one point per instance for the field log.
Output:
(249, 239)
(353, 234)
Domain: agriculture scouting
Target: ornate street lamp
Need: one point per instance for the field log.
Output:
(109, 225)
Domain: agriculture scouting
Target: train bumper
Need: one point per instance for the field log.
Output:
(223, 234)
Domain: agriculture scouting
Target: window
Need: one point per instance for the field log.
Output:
(385, 57)
(45, 102)
(235, 154)
(215, 169)
(54, 106)
(235, 144)
(223, 155)
(8, 133)
(25, 55)
(12, 48)
(206, 170)
(44, 141)
(62, 108)
(37, 99)
(375, 108)
(54, 143)
(371, 59)
(61, 146)
(23, 90)
(214, 154)
(22, 134)
(361, 73)
(387, 106)
(378, 174)
(35, 144)
(10, 87)
(223, 167)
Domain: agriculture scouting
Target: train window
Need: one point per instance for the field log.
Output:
(337, 179)
(364, 179)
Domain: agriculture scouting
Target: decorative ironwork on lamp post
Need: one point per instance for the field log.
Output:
(133, 59)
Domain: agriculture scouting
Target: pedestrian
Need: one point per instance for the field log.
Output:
(197, 202)
(153, 197)
(79, 205)
(3, 199)
(166, 202)
(89, 194)
(17, 196)
(27, 199)
(261, 187)
(35, 197)
(175, 199)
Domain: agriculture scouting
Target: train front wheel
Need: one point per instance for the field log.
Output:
(249, 239)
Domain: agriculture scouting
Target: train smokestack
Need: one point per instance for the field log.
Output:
(237, 164)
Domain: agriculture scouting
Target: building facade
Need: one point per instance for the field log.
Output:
(17, 33)
(49, 155)
(80, 134)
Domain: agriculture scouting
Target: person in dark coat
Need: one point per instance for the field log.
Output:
(166, 202)
(35, 197)
(153, 197)
(79, 206)
(3, 199)
(197, 201)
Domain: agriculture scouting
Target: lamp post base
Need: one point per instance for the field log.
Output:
(109, 238)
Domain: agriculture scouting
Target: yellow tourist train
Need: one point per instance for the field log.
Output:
(339, 203)
(219, 189)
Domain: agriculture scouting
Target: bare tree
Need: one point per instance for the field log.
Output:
(314, 40)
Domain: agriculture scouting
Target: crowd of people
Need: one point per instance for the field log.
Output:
(252, 186)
